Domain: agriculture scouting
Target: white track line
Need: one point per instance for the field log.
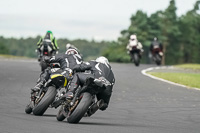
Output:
(167, 81)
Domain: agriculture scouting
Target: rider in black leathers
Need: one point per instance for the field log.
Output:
(99, 74)
(155, 43)
(66, 61)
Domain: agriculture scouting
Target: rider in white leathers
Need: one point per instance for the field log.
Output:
(134, 42)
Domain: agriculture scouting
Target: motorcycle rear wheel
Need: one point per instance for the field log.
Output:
(43, 65)
(48, 98)
(81, 108)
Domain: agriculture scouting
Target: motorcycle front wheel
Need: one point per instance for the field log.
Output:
(28, 109)
(43, 65)
(136, 59)
(60, 116)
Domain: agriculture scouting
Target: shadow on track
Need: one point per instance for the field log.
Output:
(112, 124)
(48, 115)
(107, 124)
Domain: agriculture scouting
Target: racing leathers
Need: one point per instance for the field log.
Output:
(134, 44)
(98, 73)
(154, 45)
(47, 45)
(66, 62)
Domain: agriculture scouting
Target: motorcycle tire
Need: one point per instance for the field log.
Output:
(81, 109)
(158, 59)
(28, 109)
(60, 116)
(48, 98)
(136, 59)
(43, 65)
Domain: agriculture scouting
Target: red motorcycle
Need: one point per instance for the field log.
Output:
(157, 54)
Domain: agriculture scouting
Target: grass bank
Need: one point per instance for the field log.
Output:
(189, 66)
(188, 79)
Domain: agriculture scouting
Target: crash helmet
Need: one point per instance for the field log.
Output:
(49, 32)
(68, 46)
(133, 37)
(48, 35)
(103, 60)
(71, 51)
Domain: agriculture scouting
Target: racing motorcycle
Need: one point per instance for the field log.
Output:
(48, 94)
(84, 103)
(157, 54)
(135, 55)
(46, 50)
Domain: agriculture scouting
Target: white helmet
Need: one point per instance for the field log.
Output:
(68, 46)
(133, 37)
(103, 60)
(71, 51)
(155, 39)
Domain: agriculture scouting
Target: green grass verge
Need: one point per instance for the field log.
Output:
(188, 79)
(189, 66)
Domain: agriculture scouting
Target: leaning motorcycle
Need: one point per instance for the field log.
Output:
(47, 95)
(157, 55)
(83, 104)
(46, 50)
(135, 55)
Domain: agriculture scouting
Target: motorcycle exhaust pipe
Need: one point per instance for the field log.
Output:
(95, 107)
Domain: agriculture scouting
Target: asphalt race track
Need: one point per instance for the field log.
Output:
(139, 104)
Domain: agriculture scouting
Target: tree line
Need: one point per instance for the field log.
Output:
(27, 46)
(180, 37)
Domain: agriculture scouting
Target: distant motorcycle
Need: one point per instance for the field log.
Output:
(47, 95)
(157, 55)
(46, 49)
(135, 55)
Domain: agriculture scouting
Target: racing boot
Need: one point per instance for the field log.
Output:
(103, 107)
(37, 87)
(69, 95)
(59, 101)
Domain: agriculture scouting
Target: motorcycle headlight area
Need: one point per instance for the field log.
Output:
(58, 80)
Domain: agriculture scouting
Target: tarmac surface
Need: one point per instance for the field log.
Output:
(139, 104)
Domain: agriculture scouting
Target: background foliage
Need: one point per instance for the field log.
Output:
(180, 37)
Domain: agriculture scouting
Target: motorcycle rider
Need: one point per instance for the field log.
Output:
(155, 44)
(69, 46)
(134, 42)
(99, 75)
(67, 61)
(50, 39)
